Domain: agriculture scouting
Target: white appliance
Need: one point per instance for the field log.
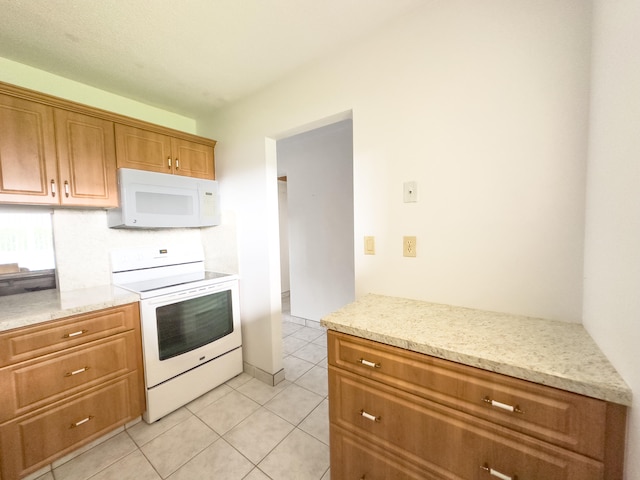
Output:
(191, 338)
(161, 200)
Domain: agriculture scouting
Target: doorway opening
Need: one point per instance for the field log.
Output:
(315, 192)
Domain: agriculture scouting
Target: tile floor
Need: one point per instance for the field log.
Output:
(243, 429)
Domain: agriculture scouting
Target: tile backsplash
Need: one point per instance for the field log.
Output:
(83, 241)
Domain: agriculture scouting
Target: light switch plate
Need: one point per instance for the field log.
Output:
(369, 246)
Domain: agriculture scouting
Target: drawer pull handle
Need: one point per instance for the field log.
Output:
(503, 406)
(368, 363)
(74, 334)
(368, 416)
(75, 372)
(80, 422)
(496, 473)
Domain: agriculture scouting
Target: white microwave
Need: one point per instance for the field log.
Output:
(161, 200)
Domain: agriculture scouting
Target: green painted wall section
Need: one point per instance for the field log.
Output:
(28, 77)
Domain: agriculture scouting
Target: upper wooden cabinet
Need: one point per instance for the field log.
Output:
(55, 157)
(28, 166)
(146, 150)
(57, 152)
(86, 160)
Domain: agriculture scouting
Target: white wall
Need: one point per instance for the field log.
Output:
(319, 169)
(283, 216)
(485, 105)
(612, 250)
(34, 79)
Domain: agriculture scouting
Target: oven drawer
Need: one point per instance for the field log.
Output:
(563, 418)
(30, 342)
(33, 440)
(415, 429)
(29, 385)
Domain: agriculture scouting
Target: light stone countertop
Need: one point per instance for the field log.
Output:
(547, 352)
(35, 307)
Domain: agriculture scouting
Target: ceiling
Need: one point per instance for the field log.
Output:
(184, 56)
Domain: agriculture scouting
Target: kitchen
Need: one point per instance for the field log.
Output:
(552, 224)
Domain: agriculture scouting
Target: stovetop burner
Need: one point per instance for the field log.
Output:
(150, 271)
(152, 284)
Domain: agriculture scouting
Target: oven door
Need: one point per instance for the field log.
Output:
(183, 330)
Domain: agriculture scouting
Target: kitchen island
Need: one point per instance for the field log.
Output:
(423, 390)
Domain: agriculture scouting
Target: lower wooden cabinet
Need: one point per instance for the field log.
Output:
(399, 414)
(44, 435)
(66, 383)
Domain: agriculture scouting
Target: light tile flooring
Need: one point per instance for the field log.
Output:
(243, 429)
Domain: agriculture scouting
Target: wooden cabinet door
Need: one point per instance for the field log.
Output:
(143, 150)
(192, 159)
(34, 440)
(30, 385)
(448, 443)
(87, 160)
(27, 152)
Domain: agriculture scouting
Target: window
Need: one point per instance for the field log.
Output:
(27, 259)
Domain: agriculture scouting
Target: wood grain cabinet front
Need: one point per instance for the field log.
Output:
(446, 420)
(55, 157)
(146, 150)
(65, 383)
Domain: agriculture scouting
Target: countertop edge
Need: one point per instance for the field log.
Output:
(607, 393)
(29, 309)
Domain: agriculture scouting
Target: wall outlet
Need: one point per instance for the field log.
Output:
(409, 246)
(369, 246)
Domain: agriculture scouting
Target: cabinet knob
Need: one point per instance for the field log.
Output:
(53, 188)
(66, 188)
(368, 363)
(177, 164)
(503, 406)
(169, 162)
(76, 372)
(80, 422)
(496, 473)
(368, 416)
(75, 334)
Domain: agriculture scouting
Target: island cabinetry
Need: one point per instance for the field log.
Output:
(146, 150)
(65, 383)
(394, 410)
(55, 157)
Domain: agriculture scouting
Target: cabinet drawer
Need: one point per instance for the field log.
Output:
(35, 439)
(29, 385)
(356, 458)
(437, 437)
(570, 420)
(30, 342)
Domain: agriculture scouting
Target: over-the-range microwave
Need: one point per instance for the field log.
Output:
(161, 200)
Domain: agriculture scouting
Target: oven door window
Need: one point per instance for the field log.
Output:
(190, 324)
